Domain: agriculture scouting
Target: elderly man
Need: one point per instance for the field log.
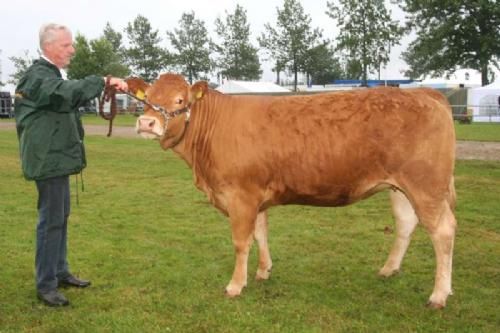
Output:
(50, 136)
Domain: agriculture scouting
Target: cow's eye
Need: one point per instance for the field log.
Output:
(179, 101)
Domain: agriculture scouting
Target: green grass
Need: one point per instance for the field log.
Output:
(159, 256)
(120, 120)
(478, 131)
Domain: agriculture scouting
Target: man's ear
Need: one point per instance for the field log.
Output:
(137, 86)
(198, 90)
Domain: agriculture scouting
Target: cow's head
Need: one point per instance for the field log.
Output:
(166, 109)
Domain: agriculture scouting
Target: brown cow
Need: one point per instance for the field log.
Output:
(249, 153)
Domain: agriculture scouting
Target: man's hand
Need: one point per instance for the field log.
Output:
(118, 84)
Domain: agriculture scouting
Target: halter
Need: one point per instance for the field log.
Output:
(167, 115)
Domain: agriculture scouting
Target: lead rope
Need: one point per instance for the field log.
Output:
(109, 95)
(83, 187)
(77, 199)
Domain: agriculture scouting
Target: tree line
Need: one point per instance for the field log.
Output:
(449, 34)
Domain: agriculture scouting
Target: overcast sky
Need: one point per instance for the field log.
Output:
(21, 20)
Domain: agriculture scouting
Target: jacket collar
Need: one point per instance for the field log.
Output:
(46, 62)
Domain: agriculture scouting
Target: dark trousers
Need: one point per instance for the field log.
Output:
(51, 232)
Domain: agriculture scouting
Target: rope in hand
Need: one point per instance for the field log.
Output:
(109, 95)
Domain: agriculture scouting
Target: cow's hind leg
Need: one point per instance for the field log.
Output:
(442, 233)
(406, 220)
(242, 217)
(260, 235)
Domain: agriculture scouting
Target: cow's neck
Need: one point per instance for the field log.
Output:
(197, 136)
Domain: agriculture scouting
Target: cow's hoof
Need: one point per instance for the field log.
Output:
(233, 291)
(434, 305)
(388, 272)
(437, 300)
(263, 274)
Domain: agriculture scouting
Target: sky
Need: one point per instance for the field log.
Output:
(21, 20)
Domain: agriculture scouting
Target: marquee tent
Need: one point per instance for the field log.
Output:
(485, 102)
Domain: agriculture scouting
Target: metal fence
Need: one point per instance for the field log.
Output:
(467, 113)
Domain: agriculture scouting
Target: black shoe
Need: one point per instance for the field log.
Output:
(53, 298)
(72, 281)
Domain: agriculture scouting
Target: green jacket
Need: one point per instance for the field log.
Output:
(48, 123)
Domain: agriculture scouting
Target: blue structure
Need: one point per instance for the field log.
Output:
(373, 83)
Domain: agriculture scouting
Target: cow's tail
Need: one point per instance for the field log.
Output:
(452, 194)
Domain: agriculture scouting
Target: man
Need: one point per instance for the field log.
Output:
(50, 136)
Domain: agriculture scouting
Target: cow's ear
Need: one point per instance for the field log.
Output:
(137, 86)
(198, 90)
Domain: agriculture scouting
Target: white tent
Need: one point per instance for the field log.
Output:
(238, 87)
(485, 102)
(467, 78)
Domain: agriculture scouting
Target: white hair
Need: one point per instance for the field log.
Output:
(48, 33)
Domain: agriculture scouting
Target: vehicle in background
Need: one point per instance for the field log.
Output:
(6, 105)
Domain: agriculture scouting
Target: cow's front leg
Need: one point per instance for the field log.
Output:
(260, 235)
(406, 221)
(242, 225)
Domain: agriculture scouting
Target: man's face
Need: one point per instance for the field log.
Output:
(61, 49)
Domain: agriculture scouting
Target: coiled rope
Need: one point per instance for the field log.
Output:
(109, 95)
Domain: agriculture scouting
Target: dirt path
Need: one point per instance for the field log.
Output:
(120, 132)
(474, 150)
(466, 150)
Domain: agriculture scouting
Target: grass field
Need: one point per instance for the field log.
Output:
(120, 120)
(159, 256)
(478, 131)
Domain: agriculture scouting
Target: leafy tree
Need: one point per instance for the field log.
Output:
(269, 42)
(82, 63)
(292, 38)
(366, 32)
(353, 66)
(95, 57)
(452, 34)
(144, 55)
(114, 37)
(193, 47)
(239, 59)
(21, 64)
(108, 60)
(321, 65)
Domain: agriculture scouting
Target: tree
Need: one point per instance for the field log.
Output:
(114, 37)
(292, 38)
(366, 33)
(239, 59)
(82, 63)
(21, 64)
(269, 42)
(144, 55)
(97, 57)
(193, 47)
(353, 66)
(107, 58)
(452, 34)
(321, 65)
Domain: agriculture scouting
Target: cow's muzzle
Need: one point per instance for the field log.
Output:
(148, 127)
